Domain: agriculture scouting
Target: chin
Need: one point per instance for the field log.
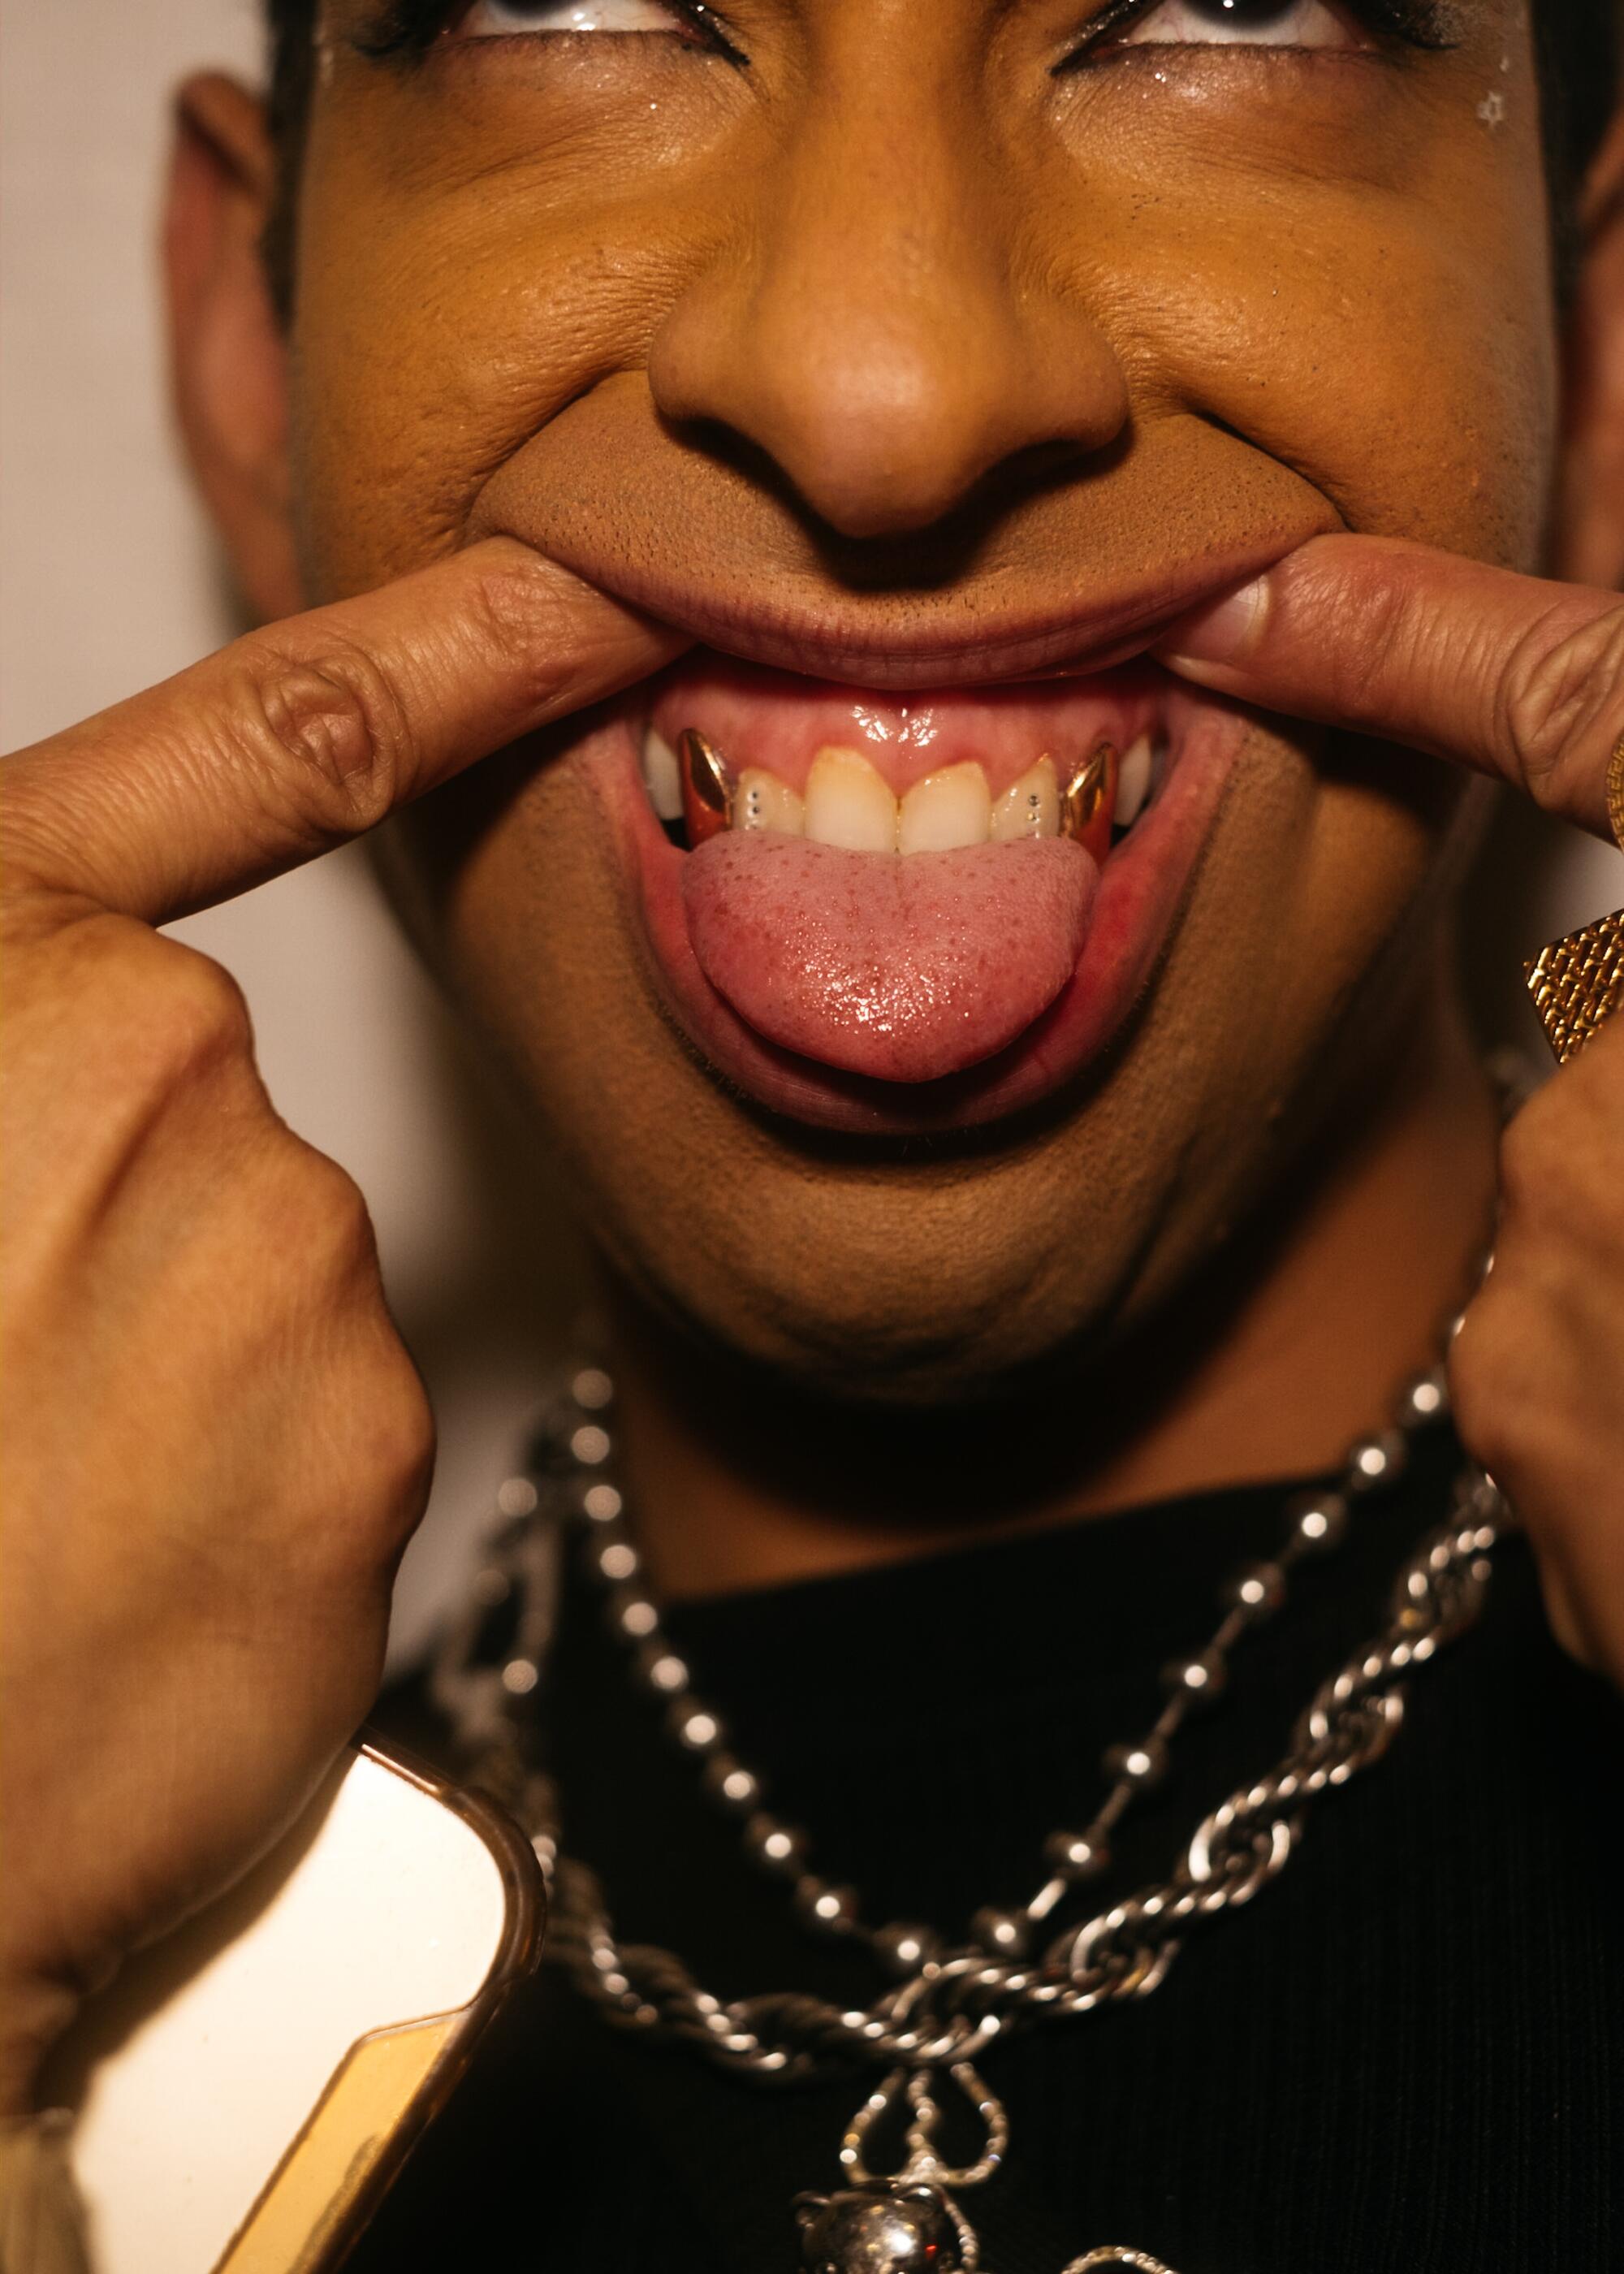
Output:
(902, 1327)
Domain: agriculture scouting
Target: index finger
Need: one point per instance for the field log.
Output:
(1509, 674)
(298, 736)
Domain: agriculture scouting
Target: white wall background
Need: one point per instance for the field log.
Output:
(108, 581)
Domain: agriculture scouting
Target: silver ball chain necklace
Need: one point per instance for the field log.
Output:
(923, 2035)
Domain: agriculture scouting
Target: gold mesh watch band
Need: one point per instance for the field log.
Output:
(1578, 982)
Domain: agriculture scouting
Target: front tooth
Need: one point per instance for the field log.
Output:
(1133, 784)
(762, 801)
(661, 777)
(1029, 806)
(945, 811)
(848, 803)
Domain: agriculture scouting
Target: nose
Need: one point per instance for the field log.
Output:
(880, 324)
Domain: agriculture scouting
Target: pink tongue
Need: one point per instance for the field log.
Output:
(905, 966)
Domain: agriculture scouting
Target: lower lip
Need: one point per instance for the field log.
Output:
(1142, 889)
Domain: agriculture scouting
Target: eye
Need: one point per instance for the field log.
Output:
(1239, 24)
(496, 19)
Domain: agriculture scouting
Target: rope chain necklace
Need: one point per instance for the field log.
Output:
(897, 2212)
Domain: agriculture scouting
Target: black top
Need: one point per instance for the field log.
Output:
(1406, 2053)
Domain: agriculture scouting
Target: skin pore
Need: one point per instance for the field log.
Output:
(920, 321)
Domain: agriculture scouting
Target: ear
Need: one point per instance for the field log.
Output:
(229, 355)
(1589, 523)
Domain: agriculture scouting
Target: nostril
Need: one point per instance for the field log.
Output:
(883, 415)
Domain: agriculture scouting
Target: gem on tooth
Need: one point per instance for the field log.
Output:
(1133, 783)
(849, 804)
(662, 776)
(762, 801)
(1029, 806)
(947, 810)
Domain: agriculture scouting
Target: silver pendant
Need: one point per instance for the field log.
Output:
(908, 2222)
(899, 2227)
(916, 2228)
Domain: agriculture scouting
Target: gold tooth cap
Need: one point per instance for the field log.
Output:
(1079, 799)
(706, 770)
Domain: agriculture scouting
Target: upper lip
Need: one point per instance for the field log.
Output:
(839, 640)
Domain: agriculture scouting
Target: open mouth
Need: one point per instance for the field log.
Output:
(896, 913)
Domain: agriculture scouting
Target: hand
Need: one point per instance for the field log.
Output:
(1525, 680)
(214, 1444)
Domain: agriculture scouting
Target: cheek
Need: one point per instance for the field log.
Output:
(1366, 300)
(483, 312)
(1428, 414)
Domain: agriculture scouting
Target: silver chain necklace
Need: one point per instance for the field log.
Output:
(945, 2005)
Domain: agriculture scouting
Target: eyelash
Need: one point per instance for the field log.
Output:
(406, 29)
(1416, 23)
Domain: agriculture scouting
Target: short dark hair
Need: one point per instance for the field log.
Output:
(1578, 48)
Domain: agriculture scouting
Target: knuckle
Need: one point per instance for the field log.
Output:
(405, 1437)
(326, 1219)
(1557, 1174)
(519, 614)
(1524, 1166)
(1560, 697)
(385, 1460)
(111, 1031)
(1506, 1400)
(178, 1016)
(364, 1404)
(1487, 1385)
(337, 733)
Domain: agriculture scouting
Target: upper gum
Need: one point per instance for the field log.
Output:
(1117, 717)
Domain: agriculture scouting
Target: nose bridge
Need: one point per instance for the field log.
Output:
(887, 203)
(875, 336)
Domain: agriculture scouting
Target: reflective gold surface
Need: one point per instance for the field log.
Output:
(1578, 982)
(391, 2084)
(1080, 797)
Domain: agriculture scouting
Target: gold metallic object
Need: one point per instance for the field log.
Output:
(1082, 795)
(392, 2081)
(705, 772)
(1578, 982)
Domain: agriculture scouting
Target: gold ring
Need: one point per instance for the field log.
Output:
(1578, 982)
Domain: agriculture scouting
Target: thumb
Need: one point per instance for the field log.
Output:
(1509, 674)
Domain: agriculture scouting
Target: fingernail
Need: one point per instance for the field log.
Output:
(1226, 632)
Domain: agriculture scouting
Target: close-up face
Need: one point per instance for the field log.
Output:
(920, 364)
